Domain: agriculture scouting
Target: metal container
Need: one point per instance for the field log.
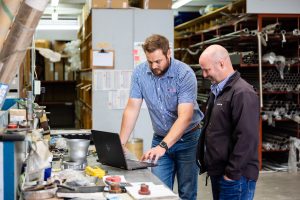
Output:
(77, 149)
(135, 146)
(41, 194)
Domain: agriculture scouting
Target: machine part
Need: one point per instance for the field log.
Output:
(269, 57)
(144, 189)
(114, 179)
(74, 165)
(283, 32)
(115, 188)
(66, 187)
(11, 137)
(40, 194)
(77, 149)
(271, 28)
(266, 35)
(280, 65)
(296, 32)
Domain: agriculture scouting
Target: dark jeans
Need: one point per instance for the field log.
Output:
(180, 160)
(242, 189)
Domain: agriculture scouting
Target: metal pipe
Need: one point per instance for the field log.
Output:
(8, 10)
(233, 34)
(19, 38)
(260, 69)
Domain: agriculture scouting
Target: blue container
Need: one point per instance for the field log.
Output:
(9, 103)
(47, 173)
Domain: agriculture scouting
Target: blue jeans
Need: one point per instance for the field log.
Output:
(179, 160)
(242, 189)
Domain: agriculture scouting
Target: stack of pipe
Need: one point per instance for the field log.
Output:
(19, 38)
(275, 142)
(273, 82)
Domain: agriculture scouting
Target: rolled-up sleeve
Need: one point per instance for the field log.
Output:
(135, 90)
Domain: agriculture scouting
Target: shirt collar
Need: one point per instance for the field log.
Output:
(218, 87)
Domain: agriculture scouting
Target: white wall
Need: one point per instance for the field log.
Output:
(273, 6)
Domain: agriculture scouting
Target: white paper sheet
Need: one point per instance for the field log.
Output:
(112, 79)
(157, 191)
(103, 59)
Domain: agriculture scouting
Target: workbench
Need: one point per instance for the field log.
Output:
(134, 177)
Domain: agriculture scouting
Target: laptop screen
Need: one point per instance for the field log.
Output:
(109, 148)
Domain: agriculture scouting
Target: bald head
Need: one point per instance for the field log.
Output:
(215, 63)
(215, 53)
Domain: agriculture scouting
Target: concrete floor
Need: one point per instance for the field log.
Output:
(270, 186)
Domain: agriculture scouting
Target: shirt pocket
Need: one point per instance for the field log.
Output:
(171, 100)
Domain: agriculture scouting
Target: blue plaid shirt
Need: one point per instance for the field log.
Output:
(163, 94)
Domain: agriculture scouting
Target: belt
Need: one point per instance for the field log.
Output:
(198, 126)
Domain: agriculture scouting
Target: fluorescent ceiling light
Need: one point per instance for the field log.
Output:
(54, 2)
(180, 3)
(57, 27)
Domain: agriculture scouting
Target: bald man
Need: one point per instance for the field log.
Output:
(228, 146)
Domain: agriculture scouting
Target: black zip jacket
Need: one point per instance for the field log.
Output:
(231, 132)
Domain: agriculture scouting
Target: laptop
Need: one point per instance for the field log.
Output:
(110, 152)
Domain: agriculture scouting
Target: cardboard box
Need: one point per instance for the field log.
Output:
(43, 44)
(49, 70)
(59, 71)
(59, 46)
(17, 115)
(109, 3)
(156, 4)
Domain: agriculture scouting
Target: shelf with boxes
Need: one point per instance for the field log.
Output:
(280, 68)
(59, 99)
(83, 110)
(57, 83)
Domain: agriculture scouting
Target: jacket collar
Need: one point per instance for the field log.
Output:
(231, 81)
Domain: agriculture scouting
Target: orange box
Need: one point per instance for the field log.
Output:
(156, 4)
(109, 3)
(59, 46)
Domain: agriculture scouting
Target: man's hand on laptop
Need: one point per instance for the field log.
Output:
(153, 154)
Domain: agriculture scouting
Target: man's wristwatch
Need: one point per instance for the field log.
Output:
(164, 145)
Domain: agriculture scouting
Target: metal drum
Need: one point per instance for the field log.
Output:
(77, 149)
(135, 145)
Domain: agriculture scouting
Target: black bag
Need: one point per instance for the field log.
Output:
(200, 154)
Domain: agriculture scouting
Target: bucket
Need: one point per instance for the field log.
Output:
(135, 146)
(78, 149)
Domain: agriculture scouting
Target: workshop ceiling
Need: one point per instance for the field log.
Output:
(71, 9)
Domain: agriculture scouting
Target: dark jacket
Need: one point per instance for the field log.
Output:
(231, 132)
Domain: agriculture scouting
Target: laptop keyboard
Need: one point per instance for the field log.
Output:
(137, 164)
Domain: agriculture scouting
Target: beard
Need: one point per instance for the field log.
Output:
(159, 72)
